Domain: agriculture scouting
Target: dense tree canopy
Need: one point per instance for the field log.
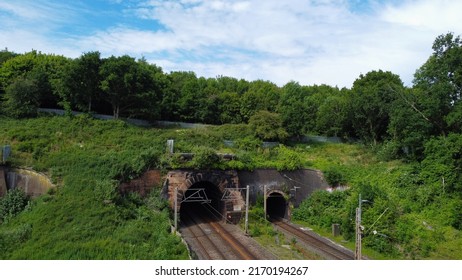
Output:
(377, 109)
(83, 81)
(372, 96)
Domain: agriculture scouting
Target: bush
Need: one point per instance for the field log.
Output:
(10, 239)
(334, 176)
(12, 203)
(205, 158)
(21, 98)
(106, 190)
(389, 150)
(322, 208)
(268, 126)
(288, 159)
(248, 143)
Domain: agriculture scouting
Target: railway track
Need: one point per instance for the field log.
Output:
(211, 240)
(205, 248)
(320, 245)
(237, 246)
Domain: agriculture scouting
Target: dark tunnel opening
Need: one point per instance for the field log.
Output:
(201, 203)
(276, 206)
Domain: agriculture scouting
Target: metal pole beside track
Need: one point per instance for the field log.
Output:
(358, 253)
(264, 200)
(175, 206)
(247, 210)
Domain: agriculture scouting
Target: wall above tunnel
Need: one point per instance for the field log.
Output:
(297, 184)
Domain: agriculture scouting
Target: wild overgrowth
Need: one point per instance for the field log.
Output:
(413, 210)
(410, 212)
(86, 217)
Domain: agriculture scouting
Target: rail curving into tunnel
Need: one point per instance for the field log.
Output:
(276, 206)
(202, 201)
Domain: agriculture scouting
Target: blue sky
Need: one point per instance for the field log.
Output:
(308, 41)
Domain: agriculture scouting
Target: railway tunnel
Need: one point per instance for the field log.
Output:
(206, 195)
(276, 205)
(202, 201)
(223, 191)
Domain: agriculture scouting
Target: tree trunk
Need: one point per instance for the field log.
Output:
(115, 110)
(89, 105)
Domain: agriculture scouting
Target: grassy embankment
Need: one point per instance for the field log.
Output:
(85, 218)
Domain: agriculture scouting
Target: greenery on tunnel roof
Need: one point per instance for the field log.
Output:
(86, 218)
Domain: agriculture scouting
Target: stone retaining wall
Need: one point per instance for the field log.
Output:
(31, 182)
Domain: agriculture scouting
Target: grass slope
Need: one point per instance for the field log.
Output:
(86, 218)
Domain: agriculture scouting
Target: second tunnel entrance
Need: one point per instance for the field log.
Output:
(276, 206)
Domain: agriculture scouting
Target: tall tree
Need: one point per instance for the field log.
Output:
(332, 115)
(408, 126)
(229, 107)
(293, 108)
(261, 95)
(46, 71)
(154, 83)
(17, 67)
(268, 126)
(372, 96)
(230, 84)
(83, 80)
(440, 81)
(5, 55)
(21, 98)
(125, 84)
(316, 99)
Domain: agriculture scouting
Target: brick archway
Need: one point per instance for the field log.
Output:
(226, 182)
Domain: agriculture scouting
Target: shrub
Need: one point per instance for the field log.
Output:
(205, 158)
(322, 208)
(334, 176)
(268, 126)
(106, 190)
(22, 98)
(12, 203)
(288, 159)
(248, 143)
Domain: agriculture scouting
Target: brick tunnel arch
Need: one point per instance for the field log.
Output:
(276, 205)
(221, 187)
(202, 199)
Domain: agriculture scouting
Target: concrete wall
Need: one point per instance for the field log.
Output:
(297, 184)
(31, 182)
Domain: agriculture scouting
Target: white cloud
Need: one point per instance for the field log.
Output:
(310, 41)
(426, 14)
(38, 12)
(32, 25)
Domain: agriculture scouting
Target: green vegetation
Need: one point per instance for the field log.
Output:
(413, 216)
(378, 109)
(407, 161)
(12, 204)
(86, 218)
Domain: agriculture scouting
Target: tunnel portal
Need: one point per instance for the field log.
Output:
(204, 201)
(276, 205)
(217, 190)
(230, 185)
